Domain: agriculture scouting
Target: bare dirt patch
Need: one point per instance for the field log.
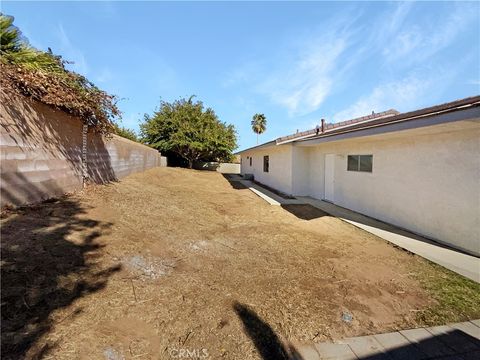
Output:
(174, 259)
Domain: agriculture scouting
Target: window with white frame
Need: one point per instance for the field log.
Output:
(362, 163)
(266, 164)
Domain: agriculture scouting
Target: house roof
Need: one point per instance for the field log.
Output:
(269, 143)
(457, 105)
(327, 127)
(373, 120)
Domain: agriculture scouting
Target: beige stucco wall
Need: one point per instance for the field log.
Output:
(301, 171)
(280, 166)
(41, 151)
(425, 180)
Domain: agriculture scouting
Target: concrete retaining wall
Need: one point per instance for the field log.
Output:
(224, 168)
(41, 153)
(163, 161)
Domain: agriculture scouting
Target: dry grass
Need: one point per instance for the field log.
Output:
(174, 258)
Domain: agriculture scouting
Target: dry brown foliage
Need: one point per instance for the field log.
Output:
(64, 90)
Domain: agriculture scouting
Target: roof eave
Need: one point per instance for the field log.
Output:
(462, 113)
(264, 145)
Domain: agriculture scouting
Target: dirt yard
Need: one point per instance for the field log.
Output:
(174, 260)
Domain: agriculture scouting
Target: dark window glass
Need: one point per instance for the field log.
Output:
(360, 163)
(352, 163)
(250, 161)
(366, 163)
(265, 163)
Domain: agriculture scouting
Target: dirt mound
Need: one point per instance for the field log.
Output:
(174, 260)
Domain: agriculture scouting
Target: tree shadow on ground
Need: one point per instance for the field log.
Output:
(266, 341)
(45, 266)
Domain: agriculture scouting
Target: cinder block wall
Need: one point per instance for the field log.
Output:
(224, 168)
(41, 152)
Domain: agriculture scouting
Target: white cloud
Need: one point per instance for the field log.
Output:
(397, 20)
(71, 53)
(397, 94)
(401, 56)
(415, 76)
(301, 74)
(416, 90)
(304, 75)
(403, 44)
(303, 85)
(413, 43)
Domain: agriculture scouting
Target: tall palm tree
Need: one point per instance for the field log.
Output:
(9, 35)
(259, 124)
(15, 49)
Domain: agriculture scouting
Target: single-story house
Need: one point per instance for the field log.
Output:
(418, 170)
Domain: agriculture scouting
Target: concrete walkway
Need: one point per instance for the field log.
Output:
(455, 341)
(461, 263)
(267, 195)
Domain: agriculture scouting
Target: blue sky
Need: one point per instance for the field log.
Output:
(294, 62)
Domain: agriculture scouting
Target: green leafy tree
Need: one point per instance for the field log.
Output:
(125, 132)
(186, 128)
(259, 124)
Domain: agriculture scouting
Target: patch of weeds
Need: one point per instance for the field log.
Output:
(457, 298)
